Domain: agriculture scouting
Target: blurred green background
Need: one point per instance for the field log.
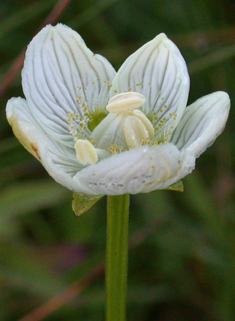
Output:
(182, 256)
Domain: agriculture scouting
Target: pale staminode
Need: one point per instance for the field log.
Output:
(85, 152)
(125, 102)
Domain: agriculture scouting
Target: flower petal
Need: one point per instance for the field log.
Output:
(142, 169)
(202, 123)
(59, 161)
(158, 71)
(60, 73)
(186, 166)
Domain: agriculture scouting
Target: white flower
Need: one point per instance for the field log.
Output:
(100, 132)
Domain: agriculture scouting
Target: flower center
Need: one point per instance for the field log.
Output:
(125, 127)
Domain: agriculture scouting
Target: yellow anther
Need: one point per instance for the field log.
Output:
(154, 143)
(113, 149)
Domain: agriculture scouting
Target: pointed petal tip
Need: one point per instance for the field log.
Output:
(161, 35)
(59, 28)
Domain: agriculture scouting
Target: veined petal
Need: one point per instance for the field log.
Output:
(110, 131)
(59, 161)
(202, 123)
(158, 71)
(60, 73)
(186, 166)
(142, 169)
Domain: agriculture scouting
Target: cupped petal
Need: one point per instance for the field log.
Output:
(158, 71)
(60, 74)
(202, 123)
(139, 170)
(59, 161)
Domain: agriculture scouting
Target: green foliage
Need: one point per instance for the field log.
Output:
(182, 253)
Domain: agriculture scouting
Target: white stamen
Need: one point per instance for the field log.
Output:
(135, 132)
(147, 123)
(125, 102)
(85, 152)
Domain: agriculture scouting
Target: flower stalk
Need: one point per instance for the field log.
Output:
(117, 257)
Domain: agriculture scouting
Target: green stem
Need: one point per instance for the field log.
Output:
(117, 257)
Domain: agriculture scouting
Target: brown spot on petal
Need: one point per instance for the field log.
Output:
(35, 149)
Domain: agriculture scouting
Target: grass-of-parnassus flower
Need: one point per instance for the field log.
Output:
(100, 132)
